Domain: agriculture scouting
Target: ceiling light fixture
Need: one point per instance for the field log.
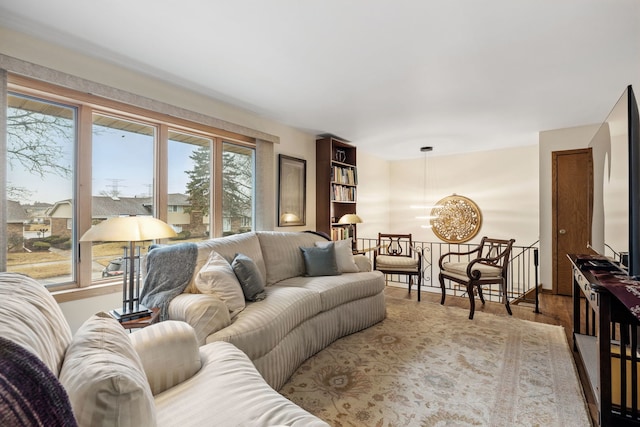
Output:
(427, 217)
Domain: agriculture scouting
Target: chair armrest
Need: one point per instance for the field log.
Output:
(448, 254)
(475, 273)
(206, 313)
(169, 352)
(418, 251)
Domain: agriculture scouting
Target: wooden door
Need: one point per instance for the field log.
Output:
(572, 205)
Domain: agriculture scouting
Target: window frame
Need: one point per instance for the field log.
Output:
(87, 104)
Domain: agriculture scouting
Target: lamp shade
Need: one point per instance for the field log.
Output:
(128, 229)
(289, 217)
(350, 219)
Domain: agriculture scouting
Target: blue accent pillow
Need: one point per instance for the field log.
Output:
(320, 261)
(249, 277)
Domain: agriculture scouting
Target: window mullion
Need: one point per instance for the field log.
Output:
(161, 186)
(83, 195)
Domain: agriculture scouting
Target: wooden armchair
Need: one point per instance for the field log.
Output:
(489, 267)
(396, 254)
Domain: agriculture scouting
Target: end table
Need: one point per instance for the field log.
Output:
(143, 321)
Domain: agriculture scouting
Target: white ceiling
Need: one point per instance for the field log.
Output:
(389, 75)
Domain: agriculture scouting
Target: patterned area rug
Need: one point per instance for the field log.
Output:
(429, 365)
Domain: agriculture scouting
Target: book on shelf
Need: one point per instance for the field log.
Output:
(339, 233)
(344, 175)
(341, 193)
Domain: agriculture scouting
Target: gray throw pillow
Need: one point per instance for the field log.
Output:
(249, 277)
(320, 261)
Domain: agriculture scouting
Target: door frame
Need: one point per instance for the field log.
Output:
(554, 208)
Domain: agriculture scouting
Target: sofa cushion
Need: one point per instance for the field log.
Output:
(248, 275)
(33, 319)
(104, 377)
(228, 247)
(338, 290)
(320, 261)
(229, 382)
(169, 352)
(205, 313)
(344, 255)
(281, 251)
(263, 324)
(217, 277)
(363, 262)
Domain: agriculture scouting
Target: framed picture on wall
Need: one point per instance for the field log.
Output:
(292, 191)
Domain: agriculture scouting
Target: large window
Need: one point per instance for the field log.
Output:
(238, 170)
(41, 146)
(73, 162)
(122, 171)
(189, 184)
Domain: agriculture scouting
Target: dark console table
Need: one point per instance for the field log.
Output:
(606, 306)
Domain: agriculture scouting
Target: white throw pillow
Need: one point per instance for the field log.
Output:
(344, 255)
(104, 377)
(217, 277)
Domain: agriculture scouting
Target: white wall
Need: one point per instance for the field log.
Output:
(374, 187)
(76, 312)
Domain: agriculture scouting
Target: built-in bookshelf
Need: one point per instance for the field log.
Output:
(336, 186)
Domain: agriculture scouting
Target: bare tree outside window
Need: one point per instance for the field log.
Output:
(39, 162)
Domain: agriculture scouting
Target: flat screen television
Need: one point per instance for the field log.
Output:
(616, 191)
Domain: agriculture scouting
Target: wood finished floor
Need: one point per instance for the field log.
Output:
(553, 310)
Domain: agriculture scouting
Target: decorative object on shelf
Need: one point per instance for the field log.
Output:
(292, 191)
(341, 155)
(456, 219)
(350, 220)
(129, 229)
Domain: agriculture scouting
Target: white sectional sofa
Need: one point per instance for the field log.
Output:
(199, 366)
(300, 314)
(103, 376)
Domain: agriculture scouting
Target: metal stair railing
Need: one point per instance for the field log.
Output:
(522, 284)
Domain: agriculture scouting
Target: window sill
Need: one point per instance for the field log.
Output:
(88, 292)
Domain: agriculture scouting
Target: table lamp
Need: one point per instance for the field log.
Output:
(351, 219)
(130, 229)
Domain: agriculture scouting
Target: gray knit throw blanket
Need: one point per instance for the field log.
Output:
(169, 270)
(30, 395)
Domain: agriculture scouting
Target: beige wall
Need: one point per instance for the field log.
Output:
(550, 141)
(503, 183)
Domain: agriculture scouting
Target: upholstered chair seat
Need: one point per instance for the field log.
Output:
(487, 265)
(390, 262)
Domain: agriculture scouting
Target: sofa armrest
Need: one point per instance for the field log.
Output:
(204, 312)
(362, 262)
(169, 352)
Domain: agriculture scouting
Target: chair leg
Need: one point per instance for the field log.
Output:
(419, 285)
(506, 299)
(444, 294)
(472, 301)
(410, 284)
(480, 294)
